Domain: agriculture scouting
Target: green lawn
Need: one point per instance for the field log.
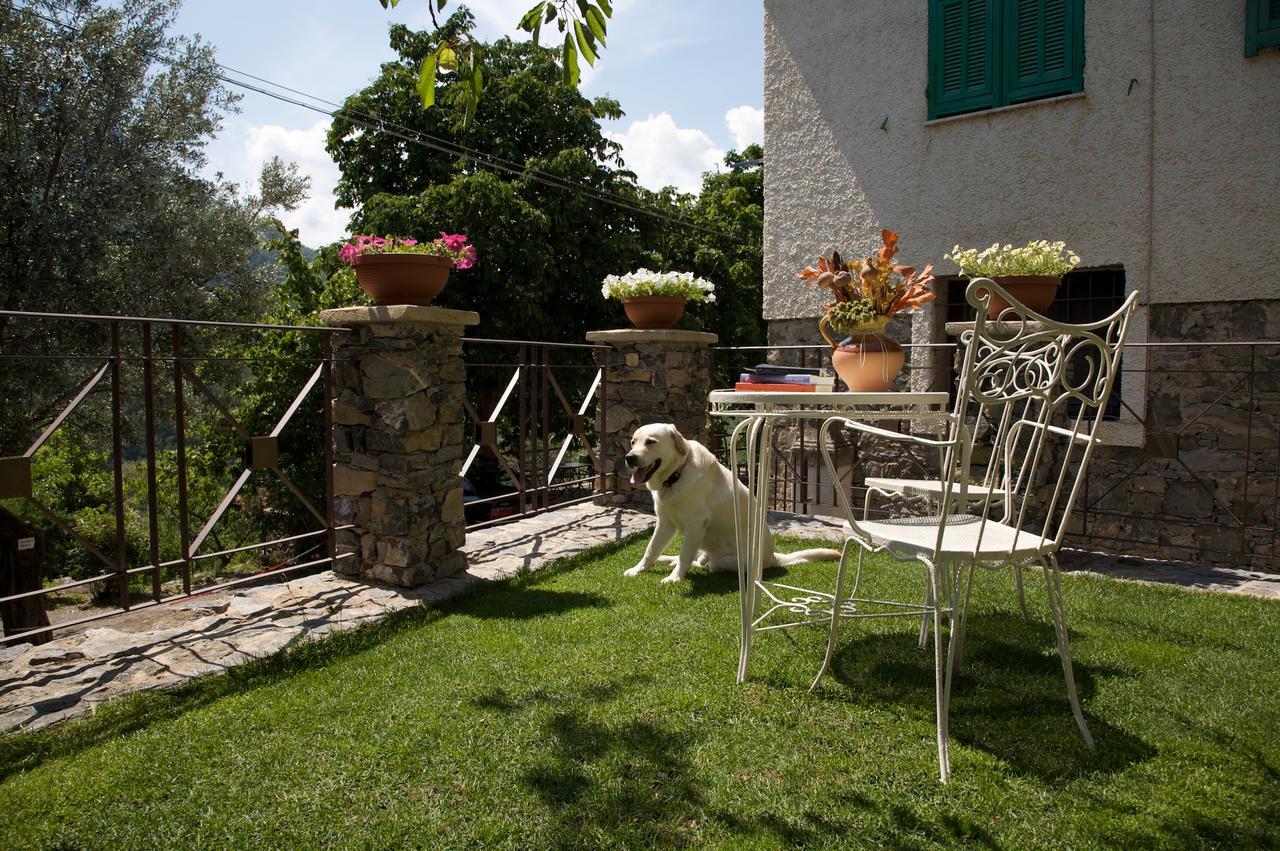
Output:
(579, 708)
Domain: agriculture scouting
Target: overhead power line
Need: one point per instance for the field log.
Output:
(376, 124)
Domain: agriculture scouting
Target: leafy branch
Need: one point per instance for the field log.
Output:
(584, 24)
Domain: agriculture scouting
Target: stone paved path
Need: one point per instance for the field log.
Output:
(206, 634)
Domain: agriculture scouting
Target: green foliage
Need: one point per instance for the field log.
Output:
(848, 316)
(104, 210)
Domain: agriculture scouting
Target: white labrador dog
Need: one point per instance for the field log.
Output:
(694, 494)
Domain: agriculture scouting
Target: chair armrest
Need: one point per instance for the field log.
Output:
(855, 425)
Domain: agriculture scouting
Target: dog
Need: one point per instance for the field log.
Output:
(694, 494)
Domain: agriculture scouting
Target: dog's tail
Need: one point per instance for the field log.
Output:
(806, 556)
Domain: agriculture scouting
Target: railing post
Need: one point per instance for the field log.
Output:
(398, 386)
(650, 376)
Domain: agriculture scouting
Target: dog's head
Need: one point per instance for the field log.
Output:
(654, 448)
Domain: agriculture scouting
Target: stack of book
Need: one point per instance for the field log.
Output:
(785, 379)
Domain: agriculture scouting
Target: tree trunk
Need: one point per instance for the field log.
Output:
(21, 570)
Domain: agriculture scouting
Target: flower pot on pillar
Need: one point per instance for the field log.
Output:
(653, 311)
(402, 278)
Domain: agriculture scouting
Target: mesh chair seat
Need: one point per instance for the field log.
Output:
(965, 534)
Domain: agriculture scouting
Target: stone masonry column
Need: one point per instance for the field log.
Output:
(654, 376)
(398, 441)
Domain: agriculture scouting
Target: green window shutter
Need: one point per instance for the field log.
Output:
(962, 49)
(1262, 26)
(1043, 48)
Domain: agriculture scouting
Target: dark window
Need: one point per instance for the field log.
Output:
(989, 53)
(1086, 295)
(1261, 25)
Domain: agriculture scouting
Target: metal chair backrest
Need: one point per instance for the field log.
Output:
(1034, 391)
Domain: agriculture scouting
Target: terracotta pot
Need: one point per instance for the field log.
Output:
(653, 311)
(402, 278)
(1034, 291)
(869, 362)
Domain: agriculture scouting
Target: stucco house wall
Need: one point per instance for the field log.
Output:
(1168, 163)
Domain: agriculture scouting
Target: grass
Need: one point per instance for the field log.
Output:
(579, 708)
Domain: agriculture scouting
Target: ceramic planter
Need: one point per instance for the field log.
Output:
(653, 311)
(1034, 291)
(402, 278)
(870, 361)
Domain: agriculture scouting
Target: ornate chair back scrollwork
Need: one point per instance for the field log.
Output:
(1031, 395)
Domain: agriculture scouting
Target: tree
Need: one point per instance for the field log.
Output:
(105, 122)
(544, 234)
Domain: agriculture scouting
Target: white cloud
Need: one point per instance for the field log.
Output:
(746, 123)
(318, 223)
(662, 154)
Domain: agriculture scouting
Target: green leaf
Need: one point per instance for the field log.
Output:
(551, 15)
(584, 43)
(570, 63)
(531, 18)
(389, 4)
(537, 30)
(440, 4)
(446, 58)
(608, 9)
(583, 7)
(427, 81)
(595, 21)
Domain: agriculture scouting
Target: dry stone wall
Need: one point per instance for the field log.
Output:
(650, 376)
(398, 441)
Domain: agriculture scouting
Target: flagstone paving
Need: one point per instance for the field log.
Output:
(74, 674)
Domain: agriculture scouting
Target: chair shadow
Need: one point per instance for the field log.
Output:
(1009, 696)
(529, 603)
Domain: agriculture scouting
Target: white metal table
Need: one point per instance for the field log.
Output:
(757, 413)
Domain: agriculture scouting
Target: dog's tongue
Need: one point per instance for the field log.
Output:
(637, 475)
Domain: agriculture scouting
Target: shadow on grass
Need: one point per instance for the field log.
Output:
(513, 598)
(1009, 697)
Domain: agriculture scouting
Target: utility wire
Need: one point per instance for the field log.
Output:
(376, 124)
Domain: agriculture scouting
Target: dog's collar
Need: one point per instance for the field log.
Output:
(674, 477)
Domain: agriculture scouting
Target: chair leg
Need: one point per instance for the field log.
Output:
(1022, 597)
(961, 617)
(940, 676)
(835, 607)
(1053, 584)
(924, 619)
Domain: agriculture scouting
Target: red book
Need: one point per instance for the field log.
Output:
(753, 387)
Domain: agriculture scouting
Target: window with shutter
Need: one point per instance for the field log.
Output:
(988, 53)
(1262, 25)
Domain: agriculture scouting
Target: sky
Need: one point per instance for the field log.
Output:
(688, 73)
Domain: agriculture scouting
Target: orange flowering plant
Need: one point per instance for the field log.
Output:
(870, 289)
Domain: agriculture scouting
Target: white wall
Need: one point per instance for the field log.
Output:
(1202, 225)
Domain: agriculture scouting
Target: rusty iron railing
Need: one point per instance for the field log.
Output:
(1189, 469)
(142, 359)
(532, 414)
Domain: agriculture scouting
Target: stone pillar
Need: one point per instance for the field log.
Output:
(398, 441)
(655, 376)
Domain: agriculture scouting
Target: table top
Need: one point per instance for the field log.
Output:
(723, 399)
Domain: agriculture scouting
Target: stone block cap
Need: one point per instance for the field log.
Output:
(632, 336)
(397, 313)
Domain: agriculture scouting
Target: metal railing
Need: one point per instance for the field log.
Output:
(1188, 469)
(532, 414)
(129, 363)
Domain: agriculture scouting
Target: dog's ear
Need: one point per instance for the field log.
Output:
(678, 439)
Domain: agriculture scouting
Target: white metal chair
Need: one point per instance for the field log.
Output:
(1035, 390)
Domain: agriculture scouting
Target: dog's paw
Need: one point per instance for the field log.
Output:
(634, 571)
(671, 578)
